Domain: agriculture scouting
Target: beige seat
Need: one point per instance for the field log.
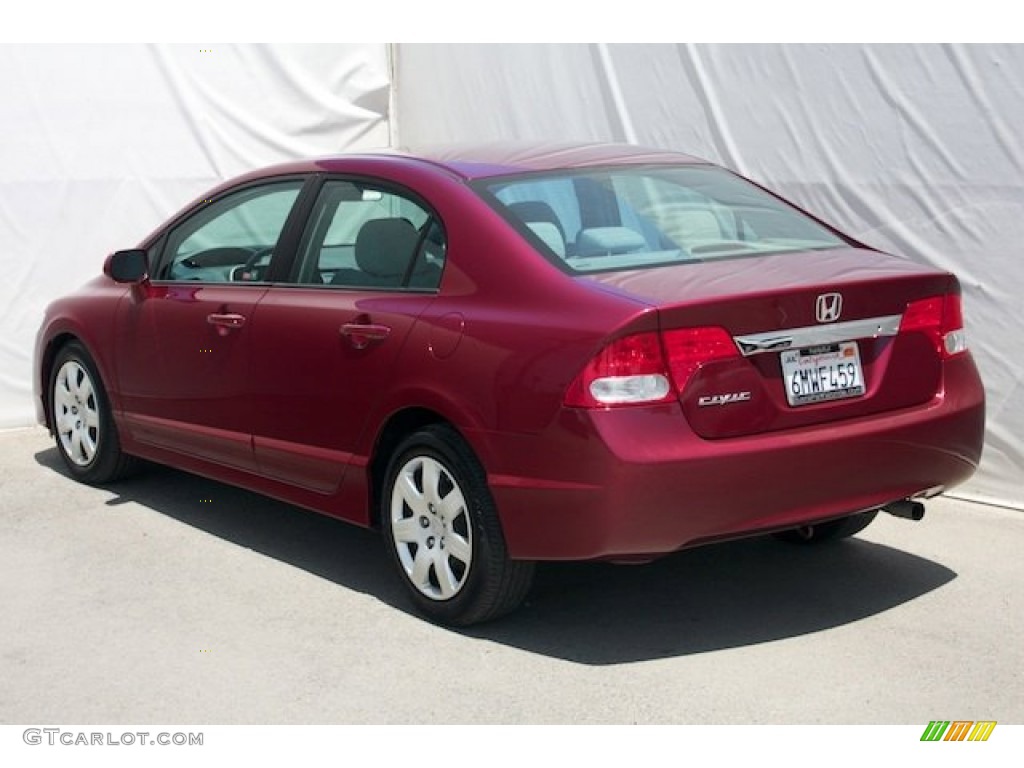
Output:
(694, 225)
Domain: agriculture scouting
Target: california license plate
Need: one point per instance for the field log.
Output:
(819, 374)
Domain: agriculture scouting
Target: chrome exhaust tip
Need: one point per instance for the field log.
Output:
(906, 509)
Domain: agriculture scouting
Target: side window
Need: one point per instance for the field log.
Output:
(231, 239)
(362, 236)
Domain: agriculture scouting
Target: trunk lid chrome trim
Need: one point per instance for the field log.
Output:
(811, 336)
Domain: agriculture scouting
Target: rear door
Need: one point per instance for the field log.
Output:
(184, 339)
(368, 264)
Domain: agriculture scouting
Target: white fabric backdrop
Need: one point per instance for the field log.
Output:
(913, 149)
(101, 143)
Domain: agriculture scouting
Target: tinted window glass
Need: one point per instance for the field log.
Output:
(231, 239)
(361, 236)
(625, 218)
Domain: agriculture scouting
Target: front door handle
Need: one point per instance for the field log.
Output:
(225, 322)
(360, 335)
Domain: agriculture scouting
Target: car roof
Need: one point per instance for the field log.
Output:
(478, 161)
(475, 161)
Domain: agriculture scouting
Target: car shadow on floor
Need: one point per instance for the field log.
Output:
(705, 599)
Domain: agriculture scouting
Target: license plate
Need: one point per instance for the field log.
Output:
(819, 374)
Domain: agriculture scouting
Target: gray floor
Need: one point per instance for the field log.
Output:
(173, 599)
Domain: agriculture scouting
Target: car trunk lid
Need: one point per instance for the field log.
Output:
(815, 336)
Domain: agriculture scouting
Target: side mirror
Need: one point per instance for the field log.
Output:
(129, 266)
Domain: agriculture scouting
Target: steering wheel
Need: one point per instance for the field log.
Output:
(251, 272)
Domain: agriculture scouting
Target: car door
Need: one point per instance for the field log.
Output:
(184, 337)
(369, 262)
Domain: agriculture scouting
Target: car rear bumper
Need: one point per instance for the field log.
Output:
(637, 482)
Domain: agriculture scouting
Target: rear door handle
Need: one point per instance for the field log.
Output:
(360, 335)
(225, 321)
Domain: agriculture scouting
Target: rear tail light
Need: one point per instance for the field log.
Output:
(941, 319)
(629, 370)
(690, 348)
(647, 367)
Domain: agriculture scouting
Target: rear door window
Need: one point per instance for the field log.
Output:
(364, 236)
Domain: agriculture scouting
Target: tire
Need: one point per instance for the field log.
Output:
(833, 530)
(442, 530)
(82, 423)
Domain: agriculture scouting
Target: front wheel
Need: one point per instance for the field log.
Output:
(81, 419)
(833, 530)
(443, 532)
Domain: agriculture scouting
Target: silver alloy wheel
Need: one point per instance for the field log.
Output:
(76, 412)
(431, 528)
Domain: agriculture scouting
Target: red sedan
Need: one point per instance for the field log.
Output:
(500, 355)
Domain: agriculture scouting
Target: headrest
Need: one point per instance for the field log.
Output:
(697, 225)
(384, 247)
(530, 211)
(606, 241)
(550, 235)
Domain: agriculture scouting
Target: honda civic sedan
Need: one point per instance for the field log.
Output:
(509, 354)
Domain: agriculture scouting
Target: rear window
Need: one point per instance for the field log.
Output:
(626, 218)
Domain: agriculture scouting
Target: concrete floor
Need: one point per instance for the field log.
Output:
(172, 599)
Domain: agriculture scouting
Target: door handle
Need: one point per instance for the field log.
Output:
(360, 335)
(225, 321)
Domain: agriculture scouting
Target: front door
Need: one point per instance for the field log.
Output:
(184, 341)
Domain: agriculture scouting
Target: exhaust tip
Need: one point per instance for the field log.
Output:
(906, 509)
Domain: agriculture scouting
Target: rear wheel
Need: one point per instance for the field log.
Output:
(83, 426)
(833, 530)
(443, 532)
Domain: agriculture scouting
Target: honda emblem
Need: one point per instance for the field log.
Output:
(828, 307)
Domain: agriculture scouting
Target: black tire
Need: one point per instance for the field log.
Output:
(442, 530)
(833, 530)
(81, 419)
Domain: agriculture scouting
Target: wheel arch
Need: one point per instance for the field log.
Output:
(45, 369)
(396, 428)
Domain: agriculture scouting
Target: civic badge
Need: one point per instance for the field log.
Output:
(828, 307)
